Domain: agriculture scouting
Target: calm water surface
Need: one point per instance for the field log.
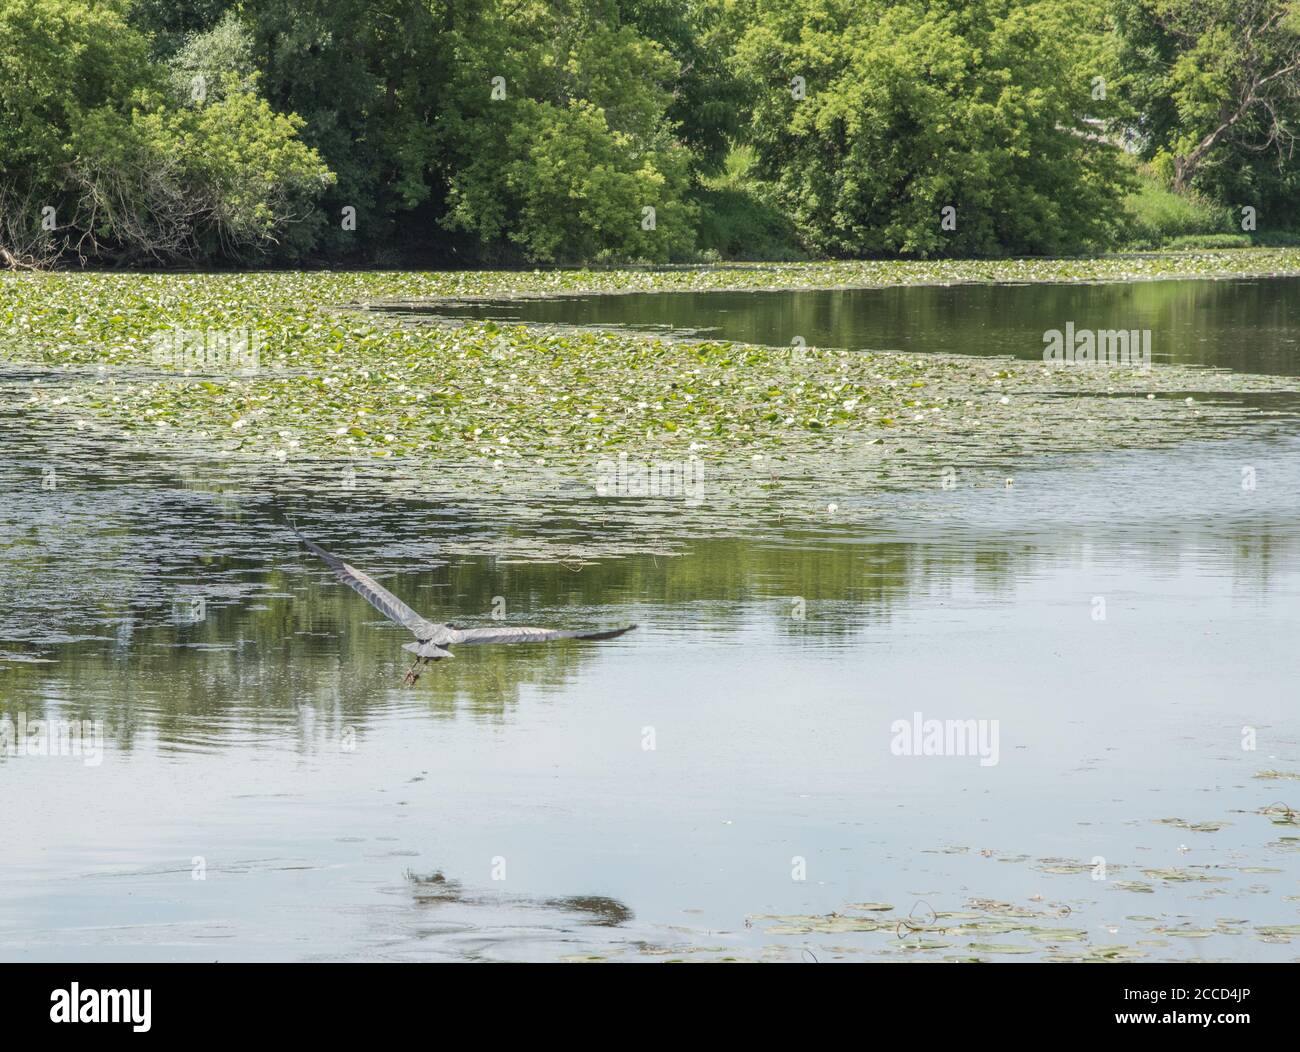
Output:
(1253, 326)
(510, 806)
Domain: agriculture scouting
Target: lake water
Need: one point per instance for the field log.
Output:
(1253, 326)
(728, 780)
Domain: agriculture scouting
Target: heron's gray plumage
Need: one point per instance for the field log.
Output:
(433, 638)
(523, 634)
(427, 650)
(375, 593)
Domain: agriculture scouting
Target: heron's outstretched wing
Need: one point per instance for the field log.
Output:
(427, 650)
(524, 634)
(374, 593)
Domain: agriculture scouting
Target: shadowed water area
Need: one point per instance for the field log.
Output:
(721, 783)
(1251, 326)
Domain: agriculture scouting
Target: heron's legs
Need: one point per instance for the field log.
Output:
(412, 673)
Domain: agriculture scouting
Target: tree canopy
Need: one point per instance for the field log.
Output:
(521, 131)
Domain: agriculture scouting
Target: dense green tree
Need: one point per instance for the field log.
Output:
(557, 134)
(1214, 87)
(871, 117)
(575, 130)
(101, 157)
(200, 65)
(169, 23)
(369, 78)
(708, 99)
(59, 60)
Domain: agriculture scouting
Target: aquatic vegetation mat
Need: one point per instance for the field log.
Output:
(613, 423)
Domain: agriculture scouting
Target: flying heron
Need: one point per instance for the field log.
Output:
(433, 639)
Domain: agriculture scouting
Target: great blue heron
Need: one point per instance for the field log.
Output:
(433, 639)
